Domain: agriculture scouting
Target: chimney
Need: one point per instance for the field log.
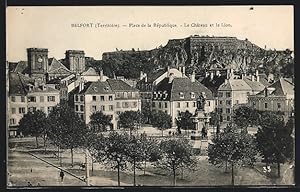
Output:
(193, 78)
(252, 77)
(183, 71)
(257, 76)
(211, 75)
(101, 75)
(141, 75)
(171, 78)
(168, 70)
(81, 86)
(146, 78)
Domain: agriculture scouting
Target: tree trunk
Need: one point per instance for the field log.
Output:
(182, 173)
(45, 143)
(72, 159)
(278, 168)
(133, 172)
(226, 167)
(60, 159)
(92, 167)
(37, 142)
(145, 168)
(174, 177)
(118, 175)
(232, 174)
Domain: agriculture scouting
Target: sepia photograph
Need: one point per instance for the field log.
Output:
(140, 96)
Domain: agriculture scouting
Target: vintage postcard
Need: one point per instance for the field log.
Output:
(169, 96)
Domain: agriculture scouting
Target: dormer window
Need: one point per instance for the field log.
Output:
(181, 95)
(192, 95)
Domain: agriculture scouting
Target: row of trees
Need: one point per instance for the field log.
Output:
(236, 147)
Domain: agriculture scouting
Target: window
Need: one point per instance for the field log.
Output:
(22, 99)
(228, 118)
(134, 104)
(110, 98)
(125, 94)
(279, 105)
(220, 110)
(43, 109)
(153, 104)
(31, 109)
(125, 104)
(111, 107)
(76, 97)
(81, 98)
(178, 104)
(187, 104)
(178, 113)
(101, 98)
(166, 105)
(220, 94)
(12, 121)
(22, 110)
(166, 111)
(228, 102)
(192, 95)
(50, 109)
(181, 95)
(51, 98)
(194, 104)
(220, 102)
(118, 105)
(159, 105)
(208, 103)
(266, 105)
(253, 103)
(94, 108)
(13, 110)
(237, 101)
(13, 98)
(118, 112)
(76, 108)
(32, 99)
(102, 108)
(227, 110)
(81, 107)
(41, 98)
(94, 98)
(228, 94)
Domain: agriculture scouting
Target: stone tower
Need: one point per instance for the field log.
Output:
(37, 63)
(75, 60)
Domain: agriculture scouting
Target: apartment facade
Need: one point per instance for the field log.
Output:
(111, 96)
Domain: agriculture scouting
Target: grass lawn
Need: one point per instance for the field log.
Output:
(20, 164)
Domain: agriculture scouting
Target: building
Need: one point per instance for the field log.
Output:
(111, 96)
(75, 60)
(179, 94)
(277, 97)
(148, 82)
(235, 91)
(25, 94)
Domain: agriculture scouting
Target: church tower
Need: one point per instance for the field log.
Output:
(75, 60)
(37, 63)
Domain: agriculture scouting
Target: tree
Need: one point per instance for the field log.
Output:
(162, 121)
(176, 154)
(35, 124)
(274, 140)
(146, 112)
(234, 147)
(67, 129)
(129, 119)
(99, 121)
(115, 153)
(245, 116)
(134, 154)
(184, 121)
(214, 120)
(150, 149)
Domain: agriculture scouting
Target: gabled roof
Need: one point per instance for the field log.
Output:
(97, 87)
(255, 85)
(56, 66)
(182, 86)
(153, 76)
(119, 85)
(282, 87)
(234, 85)
(90, 72)
(19, 67)
(17, 85)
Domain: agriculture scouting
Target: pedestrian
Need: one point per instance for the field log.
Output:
(29, 184)
(61, 174)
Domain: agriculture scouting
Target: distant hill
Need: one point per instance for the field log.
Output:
(199, 53)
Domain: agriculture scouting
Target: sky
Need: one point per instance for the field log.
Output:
(51, 27)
